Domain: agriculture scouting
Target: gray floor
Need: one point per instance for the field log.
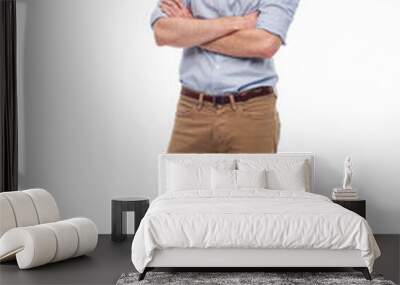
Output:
(110, 259)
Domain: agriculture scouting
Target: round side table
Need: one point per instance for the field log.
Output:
(119, 207)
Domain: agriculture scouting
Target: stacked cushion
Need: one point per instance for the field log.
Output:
(271, 174)
(282, 174)
(188, 174)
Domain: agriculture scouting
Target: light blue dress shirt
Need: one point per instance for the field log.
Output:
(214, 73)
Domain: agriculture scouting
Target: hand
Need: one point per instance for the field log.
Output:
(247, 21)
(175, 8)
(250, 20)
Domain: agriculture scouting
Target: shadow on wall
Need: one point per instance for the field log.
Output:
(21, 32)
(30, 112)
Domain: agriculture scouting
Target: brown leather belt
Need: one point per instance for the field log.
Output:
(225, 98)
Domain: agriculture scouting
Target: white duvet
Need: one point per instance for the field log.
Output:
(250, 219)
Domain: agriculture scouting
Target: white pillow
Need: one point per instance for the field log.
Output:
(251, 178)
(187, 177)
(282, 174)
(192, 175)
(223, 179)
(293, 179)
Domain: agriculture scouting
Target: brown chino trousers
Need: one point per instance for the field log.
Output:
(252, 126)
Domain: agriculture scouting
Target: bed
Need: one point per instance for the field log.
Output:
(247, 211)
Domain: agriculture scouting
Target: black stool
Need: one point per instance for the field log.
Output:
(119, 207)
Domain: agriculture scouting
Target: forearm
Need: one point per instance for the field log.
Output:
(251, 43)
(182, 32)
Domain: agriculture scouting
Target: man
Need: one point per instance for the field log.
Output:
(227, 102)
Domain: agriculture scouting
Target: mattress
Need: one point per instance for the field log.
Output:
(250, 219)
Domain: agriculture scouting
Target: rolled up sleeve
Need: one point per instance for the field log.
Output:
(158, 13)
(276, 16)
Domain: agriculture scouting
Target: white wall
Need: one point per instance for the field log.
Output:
(97, 100)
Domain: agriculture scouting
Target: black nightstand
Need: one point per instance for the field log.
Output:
(119, 207)
(357, 206)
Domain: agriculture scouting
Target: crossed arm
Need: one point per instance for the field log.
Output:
(235, 36)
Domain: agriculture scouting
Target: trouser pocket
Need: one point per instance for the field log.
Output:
(260, 107)
(185, 106)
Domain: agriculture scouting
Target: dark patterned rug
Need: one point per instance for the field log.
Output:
(243, 278)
